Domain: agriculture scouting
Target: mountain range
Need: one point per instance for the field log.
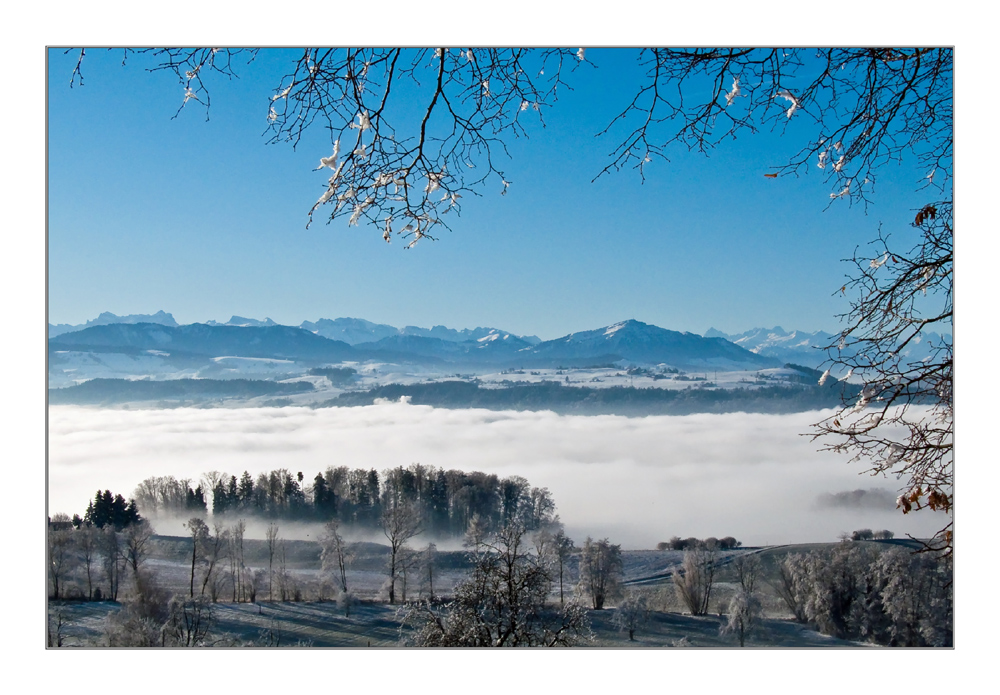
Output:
(348, 330)
(291, 348)
(353, 339)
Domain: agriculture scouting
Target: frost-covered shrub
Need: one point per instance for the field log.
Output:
(125, 628)
(189, 623)
(632, 613)
(345, 599)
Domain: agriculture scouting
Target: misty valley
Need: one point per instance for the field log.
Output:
(344, 483)
(424, 557)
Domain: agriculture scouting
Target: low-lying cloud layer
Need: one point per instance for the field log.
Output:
(875, 498)
(637, 481)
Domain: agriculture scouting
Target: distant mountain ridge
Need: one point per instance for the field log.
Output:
(243, 322)
(349, 330)
(282, 342)
(106, 318)
(355, 331)
(798, 347)
(808, 349)
(632, 342)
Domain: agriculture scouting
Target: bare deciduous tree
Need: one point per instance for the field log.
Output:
(333, 552)
(199, 539)
(748, 569)
(62, 557)
(600, 571)
(189, 623)
(428, 563)
(236, 560)
(112, 559)
(401, 521)
(214, 550)
(136, 539)
(404, 175)
(902, 423)
(271, 535)
(87, 542)
(502, 603)
(563, 547)
(693, 581)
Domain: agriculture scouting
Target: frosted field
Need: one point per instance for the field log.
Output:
(637, 481)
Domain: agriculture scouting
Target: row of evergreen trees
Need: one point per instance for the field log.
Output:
(447, 501)
(109, 510)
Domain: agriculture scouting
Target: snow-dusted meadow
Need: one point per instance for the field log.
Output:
(637, 481)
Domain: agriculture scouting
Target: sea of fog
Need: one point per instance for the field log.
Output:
(637, 481)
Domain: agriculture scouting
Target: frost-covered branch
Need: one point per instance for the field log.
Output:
(902, 423)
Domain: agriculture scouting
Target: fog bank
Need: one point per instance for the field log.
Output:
(637, 481)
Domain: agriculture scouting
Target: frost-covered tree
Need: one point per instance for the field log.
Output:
(428, 565)
(563, 547)
(744, 614)
(87, 538)
(334, 555)
(836, 588)
(254, 582)
(600, 571)
(790, 584)
(199, 539)
(401, 521)
(747, 568)
(136, 541)
(631, 613)
(408, 564)
(235, 556)
(271, 536)
(112, 559)
(893, 597)
(745, 608)
(188, 624)
(917, 598)
(502, 603)
(694, 579)
(214, 551)
(61, 557)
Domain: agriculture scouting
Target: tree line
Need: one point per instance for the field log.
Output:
(614, 400)
(446, 500)
(896, 598)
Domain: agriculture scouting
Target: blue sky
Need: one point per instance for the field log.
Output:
(205, 220)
